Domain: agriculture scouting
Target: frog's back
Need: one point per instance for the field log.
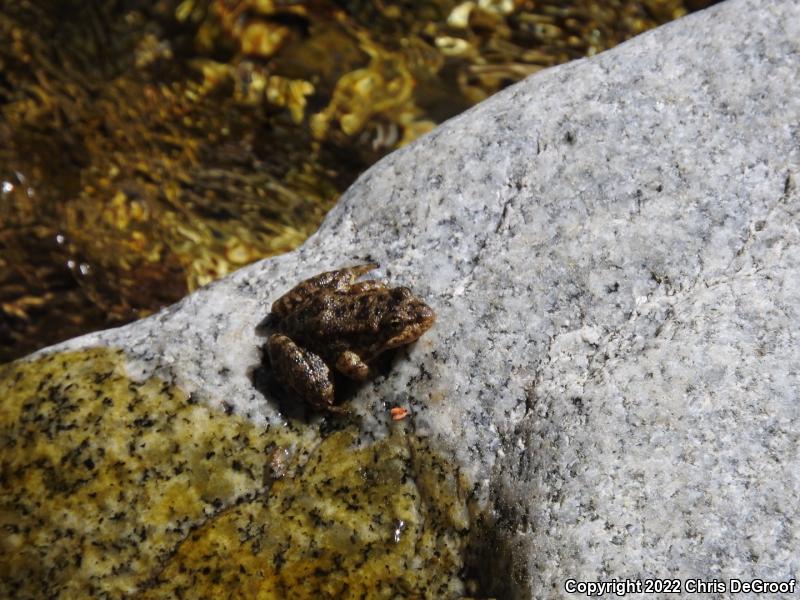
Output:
(330, 323)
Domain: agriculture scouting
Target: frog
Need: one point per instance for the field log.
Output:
(333, 323)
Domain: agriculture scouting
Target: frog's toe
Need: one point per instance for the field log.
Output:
(359, 270)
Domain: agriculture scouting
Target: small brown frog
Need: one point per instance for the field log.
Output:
(331, 322)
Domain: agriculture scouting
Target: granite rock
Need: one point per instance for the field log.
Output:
(612, 249)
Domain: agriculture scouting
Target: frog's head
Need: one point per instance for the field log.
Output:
(407, 319)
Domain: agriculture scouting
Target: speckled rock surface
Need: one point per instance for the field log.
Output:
(613, 249)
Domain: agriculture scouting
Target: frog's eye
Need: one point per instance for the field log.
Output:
(401, 293)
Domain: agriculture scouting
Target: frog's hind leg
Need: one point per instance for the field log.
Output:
(338, 280)
(359, 270)
(367, 286)
(301, 371)
(350, 364)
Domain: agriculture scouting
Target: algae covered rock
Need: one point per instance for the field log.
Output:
(112, 486)
(609, 392)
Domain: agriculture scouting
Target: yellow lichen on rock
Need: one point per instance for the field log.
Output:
(103, 476)
(110, 486)
(353, 522)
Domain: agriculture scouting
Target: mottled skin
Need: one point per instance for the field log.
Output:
(331, 322)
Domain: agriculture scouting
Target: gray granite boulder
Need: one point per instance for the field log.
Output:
(612, 248)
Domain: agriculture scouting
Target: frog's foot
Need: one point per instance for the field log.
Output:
(366, 286)
(350, 364)
(338, 409)
(359, 270)
(302, 371)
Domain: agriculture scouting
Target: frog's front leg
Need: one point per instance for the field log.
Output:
(350, 364)
(302, 371)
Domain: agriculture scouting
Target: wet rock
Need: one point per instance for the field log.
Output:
(612, 250)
